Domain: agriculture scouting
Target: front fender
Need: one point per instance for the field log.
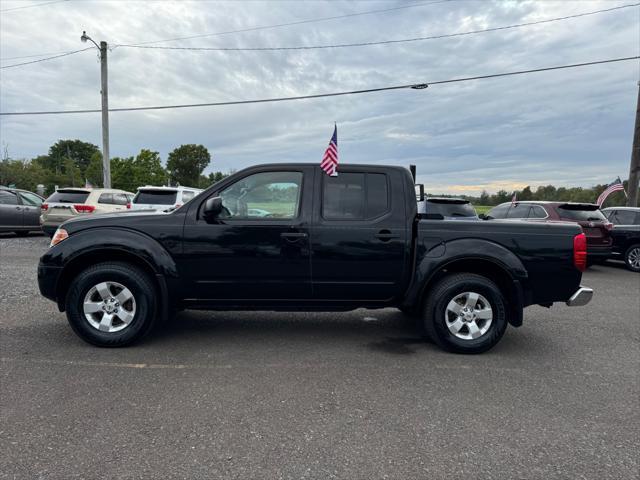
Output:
(122, 240)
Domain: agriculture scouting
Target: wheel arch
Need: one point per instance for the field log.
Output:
(80, 251)
(488, 259)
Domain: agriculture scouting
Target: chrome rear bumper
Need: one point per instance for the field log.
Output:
(582, 296)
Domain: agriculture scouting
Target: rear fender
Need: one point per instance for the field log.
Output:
(475, 256)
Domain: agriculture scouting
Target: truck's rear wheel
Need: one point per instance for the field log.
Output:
(111, 304)
(465, 313)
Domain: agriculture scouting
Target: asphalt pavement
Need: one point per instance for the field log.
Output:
(353, 395)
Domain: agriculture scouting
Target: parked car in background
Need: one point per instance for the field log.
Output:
(162, 198)
(66, 203)
(447, 209)
(595, 225)
(19, 211)
(626, 235)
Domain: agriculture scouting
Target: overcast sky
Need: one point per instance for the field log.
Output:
(569, 127)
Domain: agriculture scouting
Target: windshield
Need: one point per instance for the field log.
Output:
(451, 209)
(581, 215)
(68, 196)
(155, 197)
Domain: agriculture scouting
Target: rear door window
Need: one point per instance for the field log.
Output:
(623, 217)
(68, 196)
(355, 196)
(155, 197)
(520, 210)
(499, 212)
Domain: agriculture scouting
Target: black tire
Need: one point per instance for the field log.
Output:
(629, 255)
(21, 233)
(435, 313)
(127, 275)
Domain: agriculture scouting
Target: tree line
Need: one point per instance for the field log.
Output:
(552, 193)
(73, 163)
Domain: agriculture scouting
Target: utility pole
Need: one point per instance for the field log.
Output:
(104, 92)
(634, 168)
(106, 164)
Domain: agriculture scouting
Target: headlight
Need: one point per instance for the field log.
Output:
(60, 235)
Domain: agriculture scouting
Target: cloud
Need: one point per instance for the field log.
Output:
(570, 127)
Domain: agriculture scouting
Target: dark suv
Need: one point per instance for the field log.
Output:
(447, 209)
(595, 225)
(626, 234)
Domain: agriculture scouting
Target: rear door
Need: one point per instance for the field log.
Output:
(359, 236)
(10, 211)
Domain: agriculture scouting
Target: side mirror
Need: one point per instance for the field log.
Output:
(212, 207)
(482, 216)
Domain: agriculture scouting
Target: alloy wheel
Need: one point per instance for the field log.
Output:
(468, 316)
(109, 307)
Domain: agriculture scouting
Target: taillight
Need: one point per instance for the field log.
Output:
(44, 207)
(128, 205)
(580, 252)
(608, 226)
(84, 208)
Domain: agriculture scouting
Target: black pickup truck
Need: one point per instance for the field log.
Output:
(289, 237)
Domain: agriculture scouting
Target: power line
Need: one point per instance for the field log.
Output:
(250, 29)
(299, 22)
(362, 44)
(33, 5)
(416, 86)
(384, 42)
(47, 58)
(34, 55)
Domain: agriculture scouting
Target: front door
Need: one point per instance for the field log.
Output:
(31, 204)
(360, 237)
(258, 247)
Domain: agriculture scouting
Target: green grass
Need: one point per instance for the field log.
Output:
(482, 208)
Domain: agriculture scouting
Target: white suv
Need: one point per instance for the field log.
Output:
(66, 203)
(162, 198)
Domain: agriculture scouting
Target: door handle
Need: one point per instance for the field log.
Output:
(386, 235)
(18, 208)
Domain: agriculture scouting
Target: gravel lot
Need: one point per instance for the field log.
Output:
(352, 395)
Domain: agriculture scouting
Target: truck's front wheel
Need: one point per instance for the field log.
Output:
(465, 313)
(111, 304)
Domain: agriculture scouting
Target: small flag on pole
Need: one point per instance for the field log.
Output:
(514, 198)
(612, 187)
(87, 183)
(329, 162)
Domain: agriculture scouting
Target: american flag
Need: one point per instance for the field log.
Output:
(613, 187)
(329, 162)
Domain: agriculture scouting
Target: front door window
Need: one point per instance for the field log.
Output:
(266, 195)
